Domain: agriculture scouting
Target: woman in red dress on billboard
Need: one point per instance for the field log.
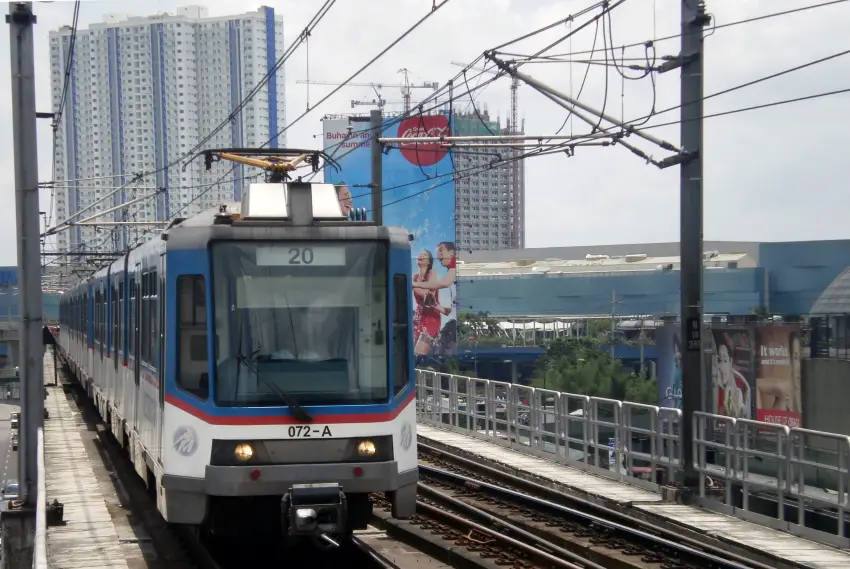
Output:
(426, 319)
(733, 391)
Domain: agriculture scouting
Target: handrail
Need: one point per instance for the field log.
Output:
(39, 557)
(635, 443)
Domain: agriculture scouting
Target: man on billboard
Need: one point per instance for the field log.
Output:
(445, 286)
(344, 196)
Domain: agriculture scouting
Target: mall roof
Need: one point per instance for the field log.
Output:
(595, 264)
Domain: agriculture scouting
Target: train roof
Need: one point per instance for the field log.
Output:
(261, 202)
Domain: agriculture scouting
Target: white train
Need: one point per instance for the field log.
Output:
(257, 365)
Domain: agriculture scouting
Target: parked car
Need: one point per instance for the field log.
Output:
(15, 441)
(10, 490)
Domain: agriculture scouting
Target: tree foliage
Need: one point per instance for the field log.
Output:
(581, 366)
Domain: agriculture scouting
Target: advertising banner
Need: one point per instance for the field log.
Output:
(732, 372)
(669, 359)
(778, 374)
(418, 195)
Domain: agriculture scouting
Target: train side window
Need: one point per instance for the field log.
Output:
(401, 333)
(192, 359)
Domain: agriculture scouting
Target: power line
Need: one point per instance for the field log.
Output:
(756, 107)
(363, 68)
(675, 36)
(753, 82)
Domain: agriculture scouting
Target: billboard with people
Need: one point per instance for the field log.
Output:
(778, 374)
(732, 372)
(419, 195)
(669, 360)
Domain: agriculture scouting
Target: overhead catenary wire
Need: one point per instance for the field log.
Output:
(363, 68)
(676, 36)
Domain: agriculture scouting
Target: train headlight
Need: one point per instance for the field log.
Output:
(366, 448)
(244, 452)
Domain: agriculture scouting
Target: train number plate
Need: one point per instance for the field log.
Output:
(308, 432)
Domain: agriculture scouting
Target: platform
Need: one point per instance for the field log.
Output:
(89, 538)
(780, 548)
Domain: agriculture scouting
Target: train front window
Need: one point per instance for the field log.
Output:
(308, 319)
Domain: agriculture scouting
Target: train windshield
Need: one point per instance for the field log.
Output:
(303, 318)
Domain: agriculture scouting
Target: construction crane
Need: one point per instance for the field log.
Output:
(513, 127)
(405, 87)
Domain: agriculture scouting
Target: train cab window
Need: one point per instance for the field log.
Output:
(401, 333)
(192, 359)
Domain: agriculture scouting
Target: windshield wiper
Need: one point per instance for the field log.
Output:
(297, 410)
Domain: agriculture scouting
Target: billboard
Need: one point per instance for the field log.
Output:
(732, 372)
(418, 195)
(669, 359)
(778, 374)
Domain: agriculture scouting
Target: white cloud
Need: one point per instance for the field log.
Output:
(769, 175)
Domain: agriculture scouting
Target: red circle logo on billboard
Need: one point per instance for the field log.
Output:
(425, 126)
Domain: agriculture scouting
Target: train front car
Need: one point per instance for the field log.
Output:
(290, 394)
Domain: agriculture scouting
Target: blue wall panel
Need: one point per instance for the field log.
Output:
(800, 271)
(734, 291)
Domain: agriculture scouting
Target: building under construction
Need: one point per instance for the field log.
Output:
(490, 201)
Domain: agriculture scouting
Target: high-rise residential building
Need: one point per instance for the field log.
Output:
(490, 203)
(143, 91)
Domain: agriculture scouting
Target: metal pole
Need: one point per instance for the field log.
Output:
(21, 21)
(690, 228)
(376, 120)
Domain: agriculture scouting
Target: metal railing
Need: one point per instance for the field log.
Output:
(39, 556)
(738, 460)
(589, 433)
(798, 479)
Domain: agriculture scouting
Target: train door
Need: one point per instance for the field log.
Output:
(160, 364)
(115, 368)
(137, 341)
(100, 375)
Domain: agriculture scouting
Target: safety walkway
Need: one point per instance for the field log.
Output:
(88, 539)
(563, 441)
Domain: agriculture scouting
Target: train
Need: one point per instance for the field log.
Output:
(256, 363)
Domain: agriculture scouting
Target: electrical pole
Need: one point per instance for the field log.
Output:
(376, 120)
(18, 522)
(694, 19)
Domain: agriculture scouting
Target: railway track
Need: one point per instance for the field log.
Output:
(528, 522)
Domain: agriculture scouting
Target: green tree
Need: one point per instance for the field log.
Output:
(580, 365)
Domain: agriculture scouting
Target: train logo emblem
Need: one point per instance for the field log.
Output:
(185, 441)
(406, 436)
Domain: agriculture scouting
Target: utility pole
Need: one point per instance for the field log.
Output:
(18, 523)
(694, 19)
(376, 120)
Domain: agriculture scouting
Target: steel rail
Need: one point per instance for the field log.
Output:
(645, 530)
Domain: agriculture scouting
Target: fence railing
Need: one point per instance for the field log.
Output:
(39, 557)
(737, 459)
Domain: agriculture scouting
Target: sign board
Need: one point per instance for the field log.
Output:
(694, 338)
